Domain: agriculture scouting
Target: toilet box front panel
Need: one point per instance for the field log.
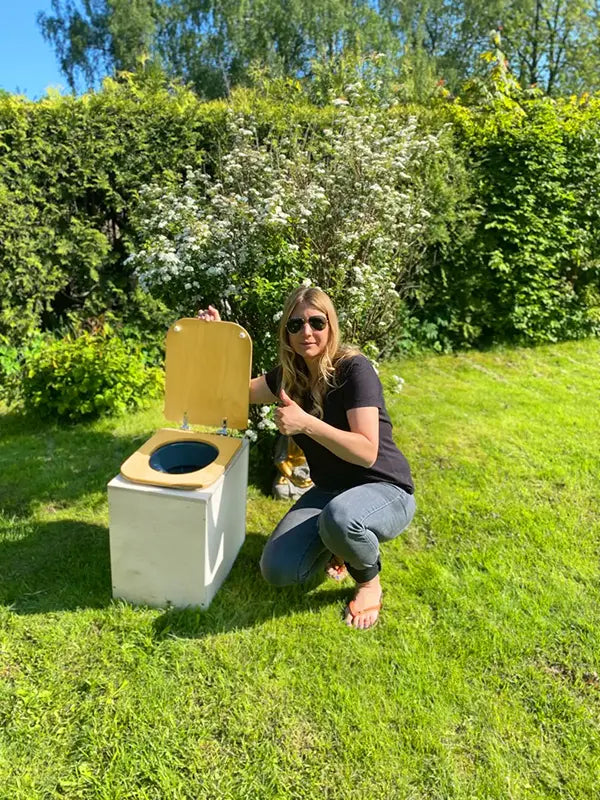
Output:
(157, 547)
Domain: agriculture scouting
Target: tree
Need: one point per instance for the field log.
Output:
(95, 37)
(444, 35)
(548, 42)
(217, 44)
(210, 43)
(213, 44)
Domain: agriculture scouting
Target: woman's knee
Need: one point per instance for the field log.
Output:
(274, 569)
(344, 518)
(335, 522)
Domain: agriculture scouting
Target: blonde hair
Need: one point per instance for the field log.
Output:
(296, 379)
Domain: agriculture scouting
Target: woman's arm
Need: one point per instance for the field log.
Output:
(260, 392)
(359, 445)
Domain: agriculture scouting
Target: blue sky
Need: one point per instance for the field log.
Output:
(27, 62)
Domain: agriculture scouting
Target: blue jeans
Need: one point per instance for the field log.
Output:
(349, 524)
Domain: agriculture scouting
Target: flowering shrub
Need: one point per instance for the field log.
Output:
(347, 210)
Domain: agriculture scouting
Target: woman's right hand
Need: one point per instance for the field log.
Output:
(209, 314)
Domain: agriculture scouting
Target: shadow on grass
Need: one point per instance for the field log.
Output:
(65, 566)
(56, 566)
(44, 462)
(246, 599)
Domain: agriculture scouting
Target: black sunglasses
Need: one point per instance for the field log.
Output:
(295, 324)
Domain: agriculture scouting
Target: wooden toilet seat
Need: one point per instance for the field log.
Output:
(138, 470)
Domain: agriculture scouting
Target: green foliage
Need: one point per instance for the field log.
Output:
(548, 42)
(87, 375)
(212, 45)
(351, 207)
(12, 360)
(218, 46)
(69, 173)
(530, 269)
(510, 249)
(94, 40)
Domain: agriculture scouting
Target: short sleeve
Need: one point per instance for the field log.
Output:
(273, 378)
(361, 386)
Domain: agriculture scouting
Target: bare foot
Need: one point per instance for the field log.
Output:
(336, 569)
(368, 596)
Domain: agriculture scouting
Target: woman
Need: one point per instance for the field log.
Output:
(331, 402)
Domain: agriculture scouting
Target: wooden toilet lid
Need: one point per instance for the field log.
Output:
(208, 373)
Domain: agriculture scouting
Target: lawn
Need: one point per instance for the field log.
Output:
(480, 681)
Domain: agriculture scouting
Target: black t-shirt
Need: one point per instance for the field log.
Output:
(357, 386)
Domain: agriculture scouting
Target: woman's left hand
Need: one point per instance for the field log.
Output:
(289, 417)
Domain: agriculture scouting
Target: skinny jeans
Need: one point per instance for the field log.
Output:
(349, 524)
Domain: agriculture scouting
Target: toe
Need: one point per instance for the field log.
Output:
(363, 621)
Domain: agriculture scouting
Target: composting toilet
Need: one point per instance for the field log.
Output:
(177, 510)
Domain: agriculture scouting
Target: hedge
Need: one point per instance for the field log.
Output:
(516, 260)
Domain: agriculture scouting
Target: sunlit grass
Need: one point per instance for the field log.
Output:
(480, 681)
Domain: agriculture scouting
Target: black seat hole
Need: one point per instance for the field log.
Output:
(178, 458)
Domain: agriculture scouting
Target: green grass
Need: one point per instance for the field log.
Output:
(481, 680)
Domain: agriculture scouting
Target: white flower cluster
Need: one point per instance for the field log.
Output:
(266, 421)
(346, 210)
(397, 384)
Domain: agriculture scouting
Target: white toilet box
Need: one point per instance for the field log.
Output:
(175, 547)
(177, 509)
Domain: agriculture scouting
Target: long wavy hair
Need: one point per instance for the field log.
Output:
(296, 379)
